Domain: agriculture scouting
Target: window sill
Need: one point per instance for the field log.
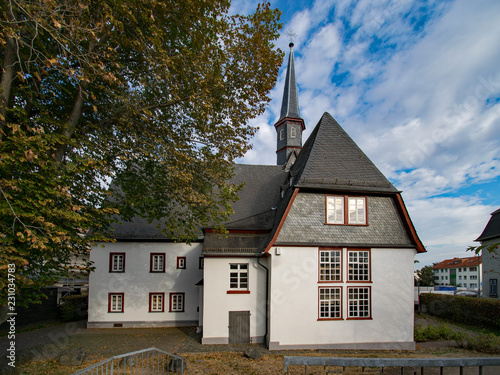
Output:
(238, 292)
(361, 318)
(156, 271)
(328, 319)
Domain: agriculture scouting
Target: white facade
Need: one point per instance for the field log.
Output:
(168, 297)
(491, 270)
(463, 277)
(220, 299)
(294, 309)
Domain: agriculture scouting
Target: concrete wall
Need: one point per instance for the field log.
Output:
(218, 303)
(137, 282)
(294, 303)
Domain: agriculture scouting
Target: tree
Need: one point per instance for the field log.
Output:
(425, 276)
(152, 95)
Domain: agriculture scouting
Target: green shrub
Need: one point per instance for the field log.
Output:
(433, 333)
(73, 308)
(480, 312)
(484, 343)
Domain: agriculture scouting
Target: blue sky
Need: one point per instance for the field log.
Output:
(417, 85)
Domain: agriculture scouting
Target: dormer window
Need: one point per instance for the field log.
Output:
(341, 209)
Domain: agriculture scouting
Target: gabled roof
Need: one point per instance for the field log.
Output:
(458, 262)
(492, 229)
(330, 159)
(290, 104)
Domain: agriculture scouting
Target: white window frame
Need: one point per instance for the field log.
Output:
(330, 265)
(282, 134)
(181, 263)
(356, 210)
(335, 209)
(117, 262)
(359, 302)
(157, 262)
(116, 302)
(293, 132)
(156, 302)
(177, 301)
(359, 266)
(330, 303)
(238, 276)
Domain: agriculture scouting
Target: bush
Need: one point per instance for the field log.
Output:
(433, 333)
(484, 343)
(73, 308)
(474, 311)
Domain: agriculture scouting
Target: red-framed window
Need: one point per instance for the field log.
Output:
(177, 302)
(181, 263)
(330, 303)
(359, 265)
(330, 265)
(156, 302)
(116, 302)
(116, 262)
(346, 210)
(359, 302)
(157, 262)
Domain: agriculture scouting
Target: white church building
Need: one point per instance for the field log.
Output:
(319, 254)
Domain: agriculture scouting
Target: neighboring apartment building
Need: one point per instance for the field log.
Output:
(319, 254)
(460, 272)
(491, 259)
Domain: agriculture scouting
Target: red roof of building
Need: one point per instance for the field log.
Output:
(458, 262)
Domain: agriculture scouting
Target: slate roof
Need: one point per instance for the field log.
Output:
(330, 159)
(458, 262)
(492, 229)
(138, 229)
(290, 104)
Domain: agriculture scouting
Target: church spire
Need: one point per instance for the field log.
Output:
(290, 104)
(290, 126)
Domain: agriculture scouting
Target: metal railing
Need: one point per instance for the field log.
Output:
(383, 363)
(150, 361)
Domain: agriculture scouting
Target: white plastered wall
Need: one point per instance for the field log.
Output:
(294, 303)
(137, 282)
(218, 303)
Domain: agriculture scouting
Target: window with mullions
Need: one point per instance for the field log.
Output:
(156, 302)
(115, 302)
(330, 265)
(117, 262)
(330, 303)
(176, 302)
(346, 210)
(157, 262)
(359, 302)
(357, 210)
(238, 276)
(359, 265)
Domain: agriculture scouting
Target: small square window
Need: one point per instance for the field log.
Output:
(156, 302)
(181, 263)
(176, 302)
(117, 262)
(157, 262)
(115, 302)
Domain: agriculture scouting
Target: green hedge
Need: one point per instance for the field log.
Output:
(481, 312)
(73, 308)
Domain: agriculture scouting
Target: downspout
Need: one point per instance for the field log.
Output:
(267, 295)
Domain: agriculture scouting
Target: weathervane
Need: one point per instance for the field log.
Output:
(291, 35)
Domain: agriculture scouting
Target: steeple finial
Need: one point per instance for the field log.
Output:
(290, 104)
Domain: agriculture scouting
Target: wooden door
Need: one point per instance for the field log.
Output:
(239, 327)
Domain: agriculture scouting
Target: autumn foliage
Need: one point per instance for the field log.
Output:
(154, 96)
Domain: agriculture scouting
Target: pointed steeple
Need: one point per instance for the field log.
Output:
(290, 104)
(290, 126)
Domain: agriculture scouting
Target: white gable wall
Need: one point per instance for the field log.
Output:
(295, 307)
(137, 282)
